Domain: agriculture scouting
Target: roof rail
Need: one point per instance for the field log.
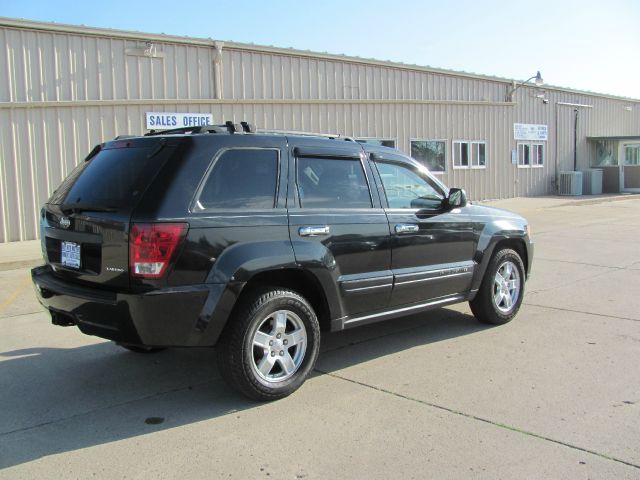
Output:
(242, 127)
(306, 134)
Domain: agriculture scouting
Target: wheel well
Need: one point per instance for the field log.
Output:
(517, 245)
(300, 282)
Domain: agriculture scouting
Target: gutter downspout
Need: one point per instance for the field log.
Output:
(575, 137)
(575, 140)
(217, 69)
(557, 162)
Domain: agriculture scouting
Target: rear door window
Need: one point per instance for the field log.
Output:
(332, 183)
(245, 178)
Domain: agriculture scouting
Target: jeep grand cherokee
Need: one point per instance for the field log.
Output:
(256, 242)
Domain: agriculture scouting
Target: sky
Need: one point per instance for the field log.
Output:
(583, 45)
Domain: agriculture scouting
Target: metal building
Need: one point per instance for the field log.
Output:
(64, 89)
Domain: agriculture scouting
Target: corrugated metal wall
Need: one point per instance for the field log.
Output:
(65, 89)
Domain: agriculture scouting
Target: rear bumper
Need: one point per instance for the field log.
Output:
(176, 316)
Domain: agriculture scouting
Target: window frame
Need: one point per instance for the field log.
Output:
(445, 141)
(531, 145)
(470, 144)
(631, 146)
(299, 205)
(197, 207)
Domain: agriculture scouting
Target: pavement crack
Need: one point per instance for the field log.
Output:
(481, 419)
(13, 315)
(577, 280)
(581, 311)
(586, 264)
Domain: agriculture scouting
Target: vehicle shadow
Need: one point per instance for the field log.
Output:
(57, 400)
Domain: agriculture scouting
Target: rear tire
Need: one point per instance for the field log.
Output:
(500, 295)
(270, 344)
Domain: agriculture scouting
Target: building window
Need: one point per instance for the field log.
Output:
(631, 155)
(469, 154)
(605, 154)
(530, 155)
(431, 153)
(383, 142)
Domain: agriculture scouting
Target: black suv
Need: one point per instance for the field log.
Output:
(256, 241)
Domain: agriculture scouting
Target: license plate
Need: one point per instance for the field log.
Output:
(70, 254)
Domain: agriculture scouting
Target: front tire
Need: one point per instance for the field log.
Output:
(270, 344)
(502, 289)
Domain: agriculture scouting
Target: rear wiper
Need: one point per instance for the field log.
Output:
(85, 207)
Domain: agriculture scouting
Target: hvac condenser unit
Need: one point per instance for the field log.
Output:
(570, 183)
(592, 181)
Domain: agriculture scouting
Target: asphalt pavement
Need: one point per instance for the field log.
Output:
(553, 394)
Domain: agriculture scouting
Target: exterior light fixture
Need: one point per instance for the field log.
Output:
(150, 50)
(537, 80)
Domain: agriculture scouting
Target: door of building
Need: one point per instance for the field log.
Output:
(630, 167)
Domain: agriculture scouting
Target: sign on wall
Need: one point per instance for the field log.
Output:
(529, 131)
(167, 120)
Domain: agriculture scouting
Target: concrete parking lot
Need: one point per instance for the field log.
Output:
(553, 394)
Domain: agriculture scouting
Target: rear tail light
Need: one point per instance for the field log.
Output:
(151, 246)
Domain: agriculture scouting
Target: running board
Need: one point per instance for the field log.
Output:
(346, 322)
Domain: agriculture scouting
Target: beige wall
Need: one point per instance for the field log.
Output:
(66, 89)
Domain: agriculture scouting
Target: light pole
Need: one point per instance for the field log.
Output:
(537, 80)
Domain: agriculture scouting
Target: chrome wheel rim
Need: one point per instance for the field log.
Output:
(506, 287)
(278, 346)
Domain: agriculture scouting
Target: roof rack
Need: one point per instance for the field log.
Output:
(306, 134)
(227, 127)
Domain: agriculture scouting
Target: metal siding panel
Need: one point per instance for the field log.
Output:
(15, 68)
(114, 50)
(6, 80)
(170, 73)
(6, 152)
(16, 174)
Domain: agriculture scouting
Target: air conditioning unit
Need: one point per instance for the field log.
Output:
(570, 183)
(592, 181)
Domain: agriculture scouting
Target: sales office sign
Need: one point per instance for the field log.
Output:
(167, 120)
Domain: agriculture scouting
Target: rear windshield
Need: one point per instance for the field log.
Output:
(113, 178)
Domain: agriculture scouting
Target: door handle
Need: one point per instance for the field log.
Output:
(314, 231)
(406, 228)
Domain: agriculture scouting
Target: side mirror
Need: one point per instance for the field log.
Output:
(457, 198)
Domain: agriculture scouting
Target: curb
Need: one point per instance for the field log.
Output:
(566, 201)
(593, 201)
